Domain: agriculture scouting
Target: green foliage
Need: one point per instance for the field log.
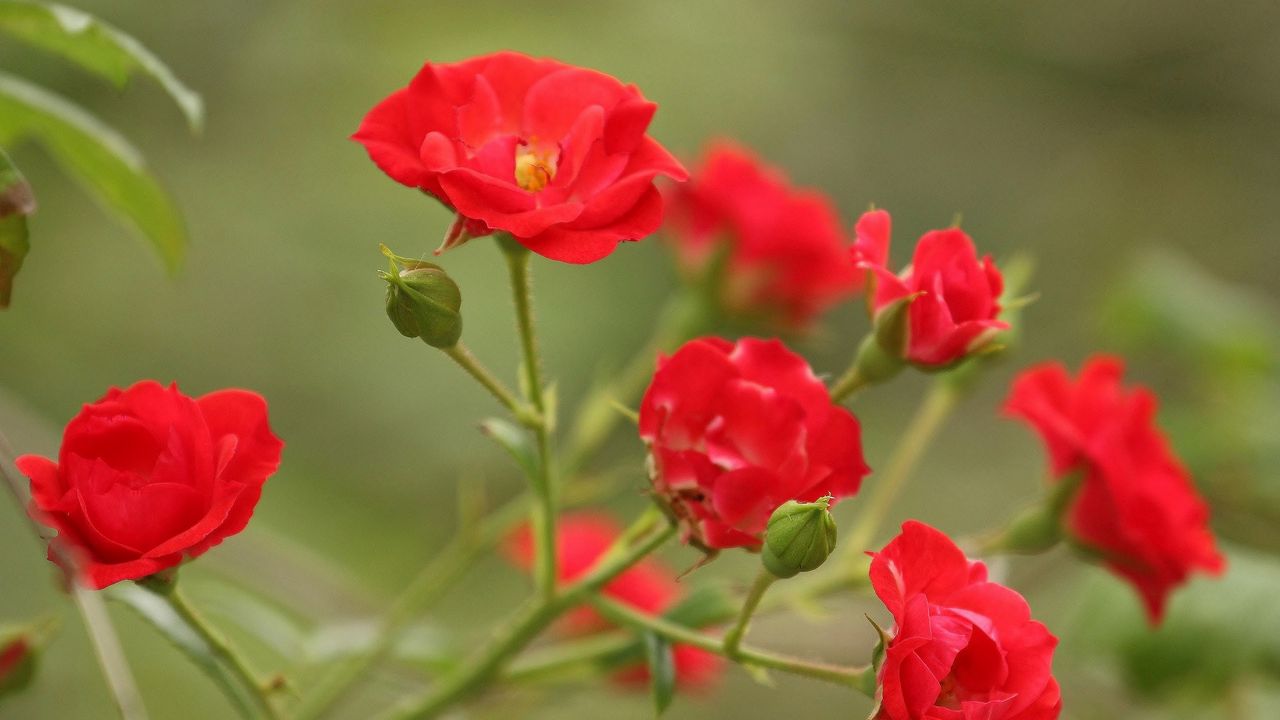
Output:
(16, 202)
(515, 441)
(1218, 633)
(662, 670)
(98, 156)
(1221, 341)
(95, 46)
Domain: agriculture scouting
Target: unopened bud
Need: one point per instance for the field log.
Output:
(799, 537)
(423, 302)
(19, 653)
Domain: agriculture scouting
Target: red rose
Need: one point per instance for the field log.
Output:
(581, 539)
(1137, 506)
(963, 648)
(735, 430)
(553, 154)
(957, 296)
(787, 255)
(148, 476)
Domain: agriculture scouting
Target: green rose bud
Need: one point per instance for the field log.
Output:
(799, 537)
(423, 301)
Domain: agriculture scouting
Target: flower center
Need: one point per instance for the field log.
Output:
(534, 170)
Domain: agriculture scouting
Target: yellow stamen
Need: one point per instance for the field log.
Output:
(534, 171)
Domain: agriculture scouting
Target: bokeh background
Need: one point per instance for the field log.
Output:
(1131, 149)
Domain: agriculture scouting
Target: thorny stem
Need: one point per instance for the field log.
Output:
(463, 356)
(544, 508)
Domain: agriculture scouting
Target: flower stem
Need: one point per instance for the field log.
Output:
(536, 614)
(733, 638)
(938, 403)
(870, 365)
(630, 617)
(252, 688)
(544, 508)
(462, 355)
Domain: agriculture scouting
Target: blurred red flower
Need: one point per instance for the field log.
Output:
(553, 154)
(581, 538)
(786, 255)
(956, 295)
(962, 647)
(735, 430)
(148, 476)
(1137, 508)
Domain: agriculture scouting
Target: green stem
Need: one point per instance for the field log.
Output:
(848, 385)
(544, 509)
(871, 365)
(462, 355)
(526, 625)
(424, 591)
(222, 650)
(942, 397)
(733, 638)
(630, 617)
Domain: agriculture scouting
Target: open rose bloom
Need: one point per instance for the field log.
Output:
(962, 647)
(581, 539)
(736, 429)
(555, 155)
(954, 297)
(148, 477)
(786, 256)
(1136, 507)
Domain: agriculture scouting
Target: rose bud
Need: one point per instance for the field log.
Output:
(799, 537)
(148, 477)
(582, 538)
(1136, 508)
(735, 430)
(556, 156)
(961, 646)
(951, 298)
(773, 253)
(423, 302)
(17, 663)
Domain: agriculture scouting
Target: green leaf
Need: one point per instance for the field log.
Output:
(515, 441)
(706, 605)
(16, 203)
(98, 156)
(662, 671)
(155, 610)
(97, 47)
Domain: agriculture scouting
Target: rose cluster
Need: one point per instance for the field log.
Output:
(747, 447)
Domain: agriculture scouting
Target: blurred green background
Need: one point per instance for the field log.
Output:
(1130, 148)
